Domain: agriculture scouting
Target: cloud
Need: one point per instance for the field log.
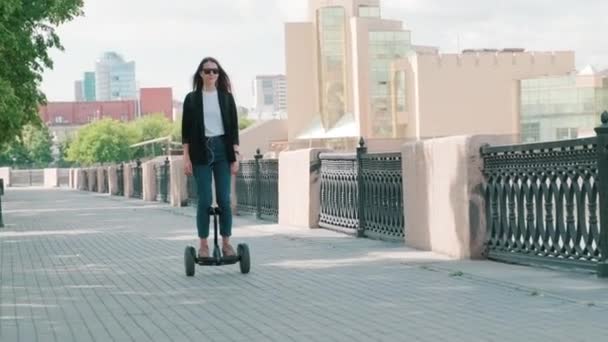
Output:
(167, 39)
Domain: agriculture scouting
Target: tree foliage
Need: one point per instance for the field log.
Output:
(150, 127)
(103, 141)
(33, 147)
(27, 33)
(109, 141)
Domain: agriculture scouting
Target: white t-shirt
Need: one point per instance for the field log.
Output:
(213, 114)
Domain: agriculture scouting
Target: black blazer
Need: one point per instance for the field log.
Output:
(193, 125)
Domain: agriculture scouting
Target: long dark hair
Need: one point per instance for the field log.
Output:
(223, 81)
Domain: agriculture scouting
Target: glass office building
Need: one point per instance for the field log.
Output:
(89, 86)
(562, 107)
(115, 78)
(384, 48)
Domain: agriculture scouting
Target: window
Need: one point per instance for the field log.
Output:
(530, 132)
(400, 91)
(267, 84)
(331, 35)
(566, 133)
(369, 11)
(268, 100)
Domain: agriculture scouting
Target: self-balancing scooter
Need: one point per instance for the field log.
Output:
(217, 259)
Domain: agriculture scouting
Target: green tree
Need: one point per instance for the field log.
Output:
(63, 147)
(104, 141)
(32, 147)
(14, 154)
(151, 127)
(245, 122)
(26, 35)
(38, 142)
(147, 128)
(176, 131)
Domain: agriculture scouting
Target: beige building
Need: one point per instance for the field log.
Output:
(470, 93)
(351, 73)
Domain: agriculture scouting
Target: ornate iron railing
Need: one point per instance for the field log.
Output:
(362, 194)
(92, 176)
(106, 186)
(269, 189)
(162, 181)
(120, 180)
(382, 193)
(137, 180)
(257, 187)
(24, 178)
(339, 192)
(85, 181)
(543, 202)
(246, 187)
(1, 194)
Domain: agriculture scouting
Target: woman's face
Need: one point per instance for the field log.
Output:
(210, 73)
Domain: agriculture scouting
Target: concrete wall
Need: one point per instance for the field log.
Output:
(128, 180)
(149, 181)
(178, 191)
(299, 188)
(51, 178)
(260, 136)
(80, 179)
(113, 180)
(92, 178)
(443, 198)
(100, 180)
(5, 173)
(71, 178)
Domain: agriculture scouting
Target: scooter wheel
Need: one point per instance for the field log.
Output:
(244, 260)
(189, 260)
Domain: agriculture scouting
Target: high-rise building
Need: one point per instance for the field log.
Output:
(562, 107)
(88, 84)
(270, 96)
(115, 78)
(78, 91)
(338, 67)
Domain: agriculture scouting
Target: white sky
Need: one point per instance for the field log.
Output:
(167, 39)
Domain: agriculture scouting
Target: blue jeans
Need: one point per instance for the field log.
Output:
(220, 167)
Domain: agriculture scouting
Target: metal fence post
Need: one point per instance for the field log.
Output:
(120, 180)
(1, 194)
(139, 179)
(165, 181)
(258, 185)
(602, 169)
(361, 151)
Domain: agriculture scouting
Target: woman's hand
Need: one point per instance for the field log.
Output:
(234, 167)
(187, 167)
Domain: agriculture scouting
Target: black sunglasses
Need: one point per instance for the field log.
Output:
(209, 71)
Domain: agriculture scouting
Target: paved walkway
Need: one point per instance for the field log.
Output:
(78, 266)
